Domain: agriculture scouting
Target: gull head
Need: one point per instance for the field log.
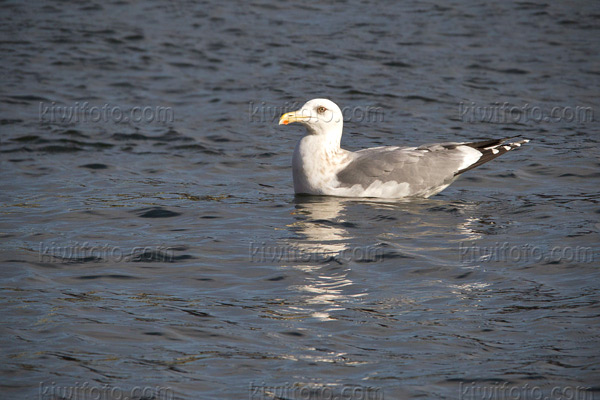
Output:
(320, 116)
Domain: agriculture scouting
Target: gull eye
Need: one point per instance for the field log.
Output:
(321, 109)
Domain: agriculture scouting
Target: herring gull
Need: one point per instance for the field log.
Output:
(321, 167)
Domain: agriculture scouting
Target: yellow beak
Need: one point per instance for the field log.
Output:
(294, 116)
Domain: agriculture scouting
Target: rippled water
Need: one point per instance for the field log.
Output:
(172, 254)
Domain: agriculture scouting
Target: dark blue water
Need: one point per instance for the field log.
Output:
(152, 246)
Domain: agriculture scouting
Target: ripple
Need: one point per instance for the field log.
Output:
(156, 212)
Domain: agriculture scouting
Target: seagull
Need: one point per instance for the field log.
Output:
(321, 167)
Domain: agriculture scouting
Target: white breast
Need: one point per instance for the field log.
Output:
(315, 166)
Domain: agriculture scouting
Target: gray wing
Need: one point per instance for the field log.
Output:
(422, 167)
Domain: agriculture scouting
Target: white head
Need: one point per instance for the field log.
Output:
(320, 116)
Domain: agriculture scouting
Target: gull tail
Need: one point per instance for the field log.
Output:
(491, 149)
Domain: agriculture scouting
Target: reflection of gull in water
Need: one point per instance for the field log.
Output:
(433, 218)
(324, 239)
(326, 235)
(467, 229)
(317, 221)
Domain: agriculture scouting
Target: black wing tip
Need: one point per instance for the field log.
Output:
(488, 143)
(491, 149)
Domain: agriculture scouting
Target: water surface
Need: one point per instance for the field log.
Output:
(173, 253)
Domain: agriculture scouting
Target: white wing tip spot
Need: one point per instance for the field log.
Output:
(495, 151)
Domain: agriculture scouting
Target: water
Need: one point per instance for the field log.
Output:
(169, 253)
